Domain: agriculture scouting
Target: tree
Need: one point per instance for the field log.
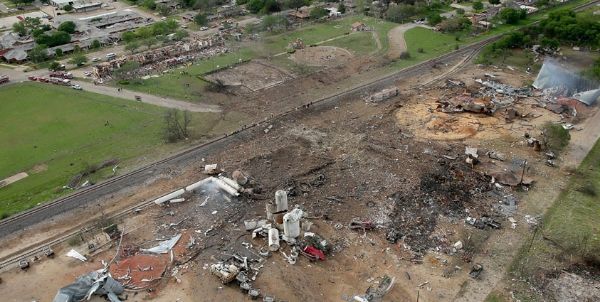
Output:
(78, 60)
(132, 46)
(68, 27)
(126, 71)
(434, 19)
(149, 4)
(512, 16)
(341, 8)
(149, 42)
(595, 70)
(318, 13)
(400, 13)
(163, 9)
(54, 39)
(54, 66)
(39, 53)
(270, 6)
(68, 7)
(201, 19)
(254, 6)
(455, 24)
(58, 52)
(128, 36)
(174, 128)
(180, 34)
(295, 4)
(19, 3)
(19, 28)
(494, 2)
(95, 44)
(271, 22)
(477, 5)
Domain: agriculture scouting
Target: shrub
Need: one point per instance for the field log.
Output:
(405, 55)
(555, 137)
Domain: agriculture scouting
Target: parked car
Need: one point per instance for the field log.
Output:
(76, 87)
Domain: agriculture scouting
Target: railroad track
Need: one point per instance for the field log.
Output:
(30, 217)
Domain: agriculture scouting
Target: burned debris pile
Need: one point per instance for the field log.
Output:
(447, 191)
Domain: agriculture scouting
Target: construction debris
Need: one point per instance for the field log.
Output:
(97, 282)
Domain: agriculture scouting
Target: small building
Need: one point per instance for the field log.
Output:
(62, 3)
(18, 55)
(359, 26)
(86, 7)
(300, 14)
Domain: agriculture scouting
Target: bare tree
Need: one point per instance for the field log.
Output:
(174, 129)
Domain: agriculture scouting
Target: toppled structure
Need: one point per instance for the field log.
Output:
(557, 81)
(163, 58)
(97, 282)
(384, 95)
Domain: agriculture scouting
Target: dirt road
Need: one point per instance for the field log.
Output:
(149, 98)
(396, 37)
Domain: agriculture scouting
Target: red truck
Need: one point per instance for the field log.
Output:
(62, 75)
(3, 79)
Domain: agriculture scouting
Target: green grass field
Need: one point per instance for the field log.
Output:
(569, 232)
(432, 42)
(53, 132)
(188, 86)
(361, 43)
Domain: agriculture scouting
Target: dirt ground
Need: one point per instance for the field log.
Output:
(400, 164)
(321, 56)
(253, 75)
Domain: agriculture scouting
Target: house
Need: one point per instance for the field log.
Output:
(359, 26)
(300, 14)
(86, 7)
(18, 55)
(62, 3)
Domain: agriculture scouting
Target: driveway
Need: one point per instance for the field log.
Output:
(396, 38)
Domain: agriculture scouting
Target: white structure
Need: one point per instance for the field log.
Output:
(291, 225)
(273, 239)
(62, 3)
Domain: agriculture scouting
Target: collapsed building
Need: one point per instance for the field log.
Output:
(558, 82)
(163, 58)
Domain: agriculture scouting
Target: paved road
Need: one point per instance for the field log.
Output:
(396, 38)
(149, 98)
(17, 75)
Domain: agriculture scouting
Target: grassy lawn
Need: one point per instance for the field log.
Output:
(323, 31)
(188, 86)
(53, 133)
(431, 42)
(361, 43)
(569, 232)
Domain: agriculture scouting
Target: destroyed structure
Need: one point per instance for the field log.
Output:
(163, 58)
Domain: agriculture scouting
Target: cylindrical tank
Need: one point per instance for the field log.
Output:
(270, 209)
(281, 200)
(273, 239)
(291, 224)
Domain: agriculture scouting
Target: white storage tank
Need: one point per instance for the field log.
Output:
(291, 224)
(273, 239)
(281, 200)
